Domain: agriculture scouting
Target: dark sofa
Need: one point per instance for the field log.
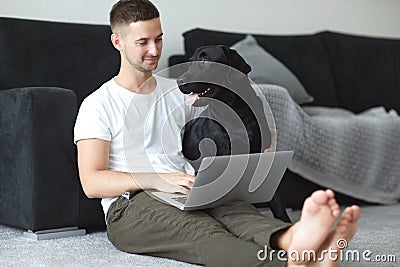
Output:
(337, 70)
(46, 70)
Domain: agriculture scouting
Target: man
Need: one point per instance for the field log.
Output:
(229, 235)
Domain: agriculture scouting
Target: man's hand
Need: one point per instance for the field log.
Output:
(271, 149)
(99, 182)
(174, 182)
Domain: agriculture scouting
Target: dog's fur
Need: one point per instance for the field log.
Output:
(229, 92)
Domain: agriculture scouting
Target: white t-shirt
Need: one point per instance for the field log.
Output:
(145, 130)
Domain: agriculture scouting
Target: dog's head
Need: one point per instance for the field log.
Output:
(213, 72)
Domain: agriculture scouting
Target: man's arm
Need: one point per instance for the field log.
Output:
(99, 182)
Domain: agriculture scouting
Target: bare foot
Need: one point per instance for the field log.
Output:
(313, 234)
(318, 215)
(329, 252)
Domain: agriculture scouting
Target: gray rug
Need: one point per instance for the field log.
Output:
(379, 230)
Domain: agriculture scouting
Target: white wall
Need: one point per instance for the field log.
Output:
(369, 17)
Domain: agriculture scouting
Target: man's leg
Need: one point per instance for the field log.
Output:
(144, 225)
(312, 233)
(247, 223)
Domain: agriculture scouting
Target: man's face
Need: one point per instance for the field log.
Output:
(142, 44)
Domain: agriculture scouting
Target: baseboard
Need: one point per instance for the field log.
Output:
(54, 233)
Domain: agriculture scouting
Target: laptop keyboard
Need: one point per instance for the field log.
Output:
(180, 199)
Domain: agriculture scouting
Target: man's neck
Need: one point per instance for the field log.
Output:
(137, 82)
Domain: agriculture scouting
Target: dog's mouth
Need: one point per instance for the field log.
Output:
(193, 97)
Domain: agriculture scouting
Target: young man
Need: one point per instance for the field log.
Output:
(229, 235)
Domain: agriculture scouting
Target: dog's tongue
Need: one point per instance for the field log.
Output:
(190, 99)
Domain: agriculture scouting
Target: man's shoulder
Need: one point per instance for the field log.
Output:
(98, 95)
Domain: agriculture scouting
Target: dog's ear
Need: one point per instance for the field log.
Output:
(236, 61)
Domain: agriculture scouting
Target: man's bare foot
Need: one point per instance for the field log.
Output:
(329, 253)
(313, 232)
(318, 215)
(347, 226)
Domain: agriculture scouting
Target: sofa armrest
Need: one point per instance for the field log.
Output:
(38, 171)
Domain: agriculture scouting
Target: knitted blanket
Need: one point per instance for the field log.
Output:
(358, 155)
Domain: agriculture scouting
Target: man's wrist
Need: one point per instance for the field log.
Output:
(144, 181)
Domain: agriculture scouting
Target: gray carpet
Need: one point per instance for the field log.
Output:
(379, 231)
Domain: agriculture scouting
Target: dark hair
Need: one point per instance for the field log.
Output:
(125, 12)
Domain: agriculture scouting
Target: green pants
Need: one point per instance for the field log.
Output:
(229, 235)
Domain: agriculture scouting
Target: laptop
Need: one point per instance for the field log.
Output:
(252, 178)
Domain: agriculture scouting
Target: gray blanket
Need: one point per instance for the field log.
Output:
(358, 155)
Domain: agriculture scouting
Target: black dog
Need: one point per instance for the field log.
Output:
(234, 121)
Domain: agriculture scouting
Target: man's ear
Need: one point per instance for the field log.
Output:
(116, 41)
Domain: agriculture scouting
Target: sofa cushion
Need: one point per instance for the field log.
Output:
(366, 70)
(304, 55)
(201, 37)
(267, 69)
(43, 53)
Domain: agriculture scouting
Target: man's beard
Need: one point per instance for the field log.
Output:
(141, 67)
(146, 69)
